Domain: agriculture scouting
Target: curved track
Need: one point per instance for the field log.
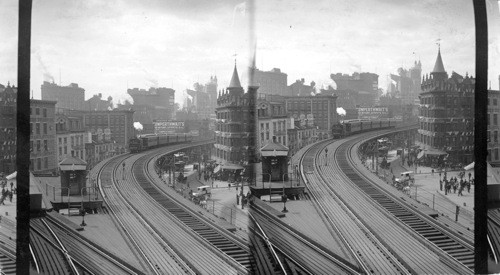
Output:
(209, 232)
(60, 250)
(7, 249)
(147, 209)
(383, 243)
(296, 251)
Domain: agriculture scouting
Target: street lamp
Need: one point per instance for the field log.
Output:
(284, 199)
(269, 180)
(326, 156)
(82, 213)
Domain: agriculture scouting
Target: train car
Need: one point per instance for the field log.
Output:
(350, 127)
(149, 141)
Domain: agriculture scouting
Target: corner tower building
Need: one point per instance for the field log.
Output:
(234, 133)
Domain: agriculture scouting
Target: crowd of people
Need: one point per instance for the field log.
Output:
(455, 183)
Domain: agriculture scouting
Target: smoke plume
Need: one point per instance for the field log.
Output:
(138, 126)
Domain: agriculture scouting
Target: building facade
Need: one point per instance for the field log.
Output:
(96, 103)
(271, 120)
(272, 82)
(299, 135)
(43, 136)
(119, 122)
(161, 100)
(235, 130)
(408, 83)
(70, 97)
(321, 108)
(8, 126)
(366, 84)
(70, 137)
(493, 142)
(447, 114)
(299, 88)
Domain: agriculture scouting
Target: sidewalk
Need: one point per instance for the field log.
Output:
(426, 189)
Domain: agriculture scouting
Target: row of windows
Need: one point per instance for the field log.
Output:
(36, 164)
(495, 102)
(440, 142)
(38, 145)
(495, 136)
(75, 140)
(37, 111)
(495, 154)
(279, 139)
(37, 129)
(495, 119)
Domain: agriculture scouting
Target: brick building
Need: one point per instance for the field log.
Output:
(8, 126)
(119, 122)
(68, 97)
(447, 114)
(70, 136)
(235, 130)
(271, 82)
(322, 108)
(43, 136)
(271, 120)
(493, 142)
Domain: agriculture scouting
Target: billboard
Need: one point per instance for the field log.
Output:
(168, 127)
(373, 112)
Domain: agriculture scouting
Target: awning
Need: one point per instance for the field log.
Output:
(470, 166)
(232, 167)
(435, 152)
(12, 176)
(420, 155)
(217, 169)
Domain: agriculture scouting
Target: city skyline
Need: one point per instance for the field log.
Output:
(106, 47)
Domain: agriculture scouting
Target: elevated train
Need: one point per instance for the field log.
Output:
(149, 141)
(350, 127)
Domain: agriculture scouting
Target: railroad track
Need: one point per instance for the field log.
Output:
(7, 247)
(334, 193)
(494, 233)
(458, 248)
(214, 235)
(58, 249)
(294, 252)
(156, 255)
(182, 245)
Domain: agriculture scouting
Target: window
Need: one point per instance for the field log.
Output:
(44, 112)
(45, 145)
(496, 153)
(267, 127)
(38, 143)
(495, 136)
(495, 119)
(267, 135)
(65, 140)
(38, 128)
(38, 164)
(60, 151)
(495, 102)
(45, 128)
(65, 150)
(261, 137)
(46, 162)
(60, 140)
(37, 111)
(72, 141)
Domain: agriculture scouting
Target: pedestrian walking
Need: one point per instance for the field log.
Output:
(468, 187)
(432, 171)
(12, 184)
(440, 185)
(10, 196)
(229, 186)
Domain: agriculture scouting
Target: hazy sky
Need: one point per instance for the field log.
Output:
(107, 46)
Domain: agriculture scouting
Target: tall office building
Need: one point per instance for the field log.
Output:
(68, 97)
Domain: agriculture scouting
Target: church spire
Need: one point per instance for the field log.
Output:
(235, 80)
(439, 73)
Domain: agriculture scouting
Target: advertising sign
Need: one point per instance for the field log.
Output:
(168, 127)
(373, 112)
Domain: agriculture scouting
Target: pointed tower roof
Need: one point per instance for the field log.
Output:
(439, 67)
(235, 80)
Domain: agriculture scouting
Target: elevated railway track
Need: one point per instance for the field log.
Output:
(353, 205)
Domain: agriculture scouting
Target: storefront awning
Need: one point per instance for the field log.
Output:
(470, 166)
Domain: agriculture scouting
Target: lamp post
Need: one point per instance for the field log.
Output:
(269, 180)
(326, 156)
